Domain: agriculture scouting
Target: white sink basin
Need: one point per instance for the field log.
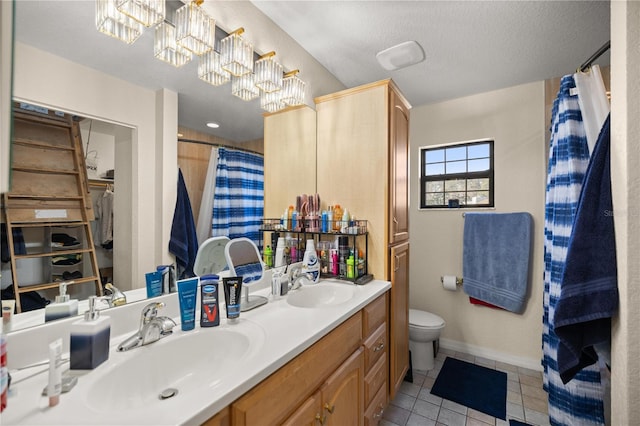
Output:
(321, 295)
(183, 362)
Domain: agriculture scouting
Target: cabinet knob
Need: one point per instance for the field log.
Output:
(379, 347)
(321, 419)
(329, 408)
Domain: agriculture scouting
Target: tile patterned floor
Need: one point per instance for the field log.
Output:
(414, 405)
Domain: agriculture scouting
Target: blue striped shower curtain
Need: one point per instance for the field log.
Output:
(238, 204)
(579, 402)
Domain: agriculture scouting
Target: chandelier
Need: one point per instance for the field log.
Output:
(193, 33)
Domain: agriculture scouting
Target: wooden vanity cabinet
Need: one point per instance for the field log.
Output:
(340, 380)
(279, 396)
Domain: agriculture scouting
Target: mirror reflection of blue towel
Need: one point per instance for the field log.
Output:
(19, 246)
(250, 272)
(183, 243)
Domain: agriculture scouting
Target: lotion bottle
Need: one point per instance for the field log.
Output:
(279, 260)
(310, 263)
(89, 343)
(62, 307)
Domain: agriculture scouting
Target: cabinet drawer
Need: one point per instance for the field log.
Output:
(374, 314)
(374, 346)
(373, 414)
(375, 378)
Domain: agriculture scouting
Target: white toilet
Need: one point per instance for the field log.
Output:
(424, 329)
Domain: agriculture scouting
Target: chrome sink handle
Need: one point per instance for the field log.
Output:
(149, 312)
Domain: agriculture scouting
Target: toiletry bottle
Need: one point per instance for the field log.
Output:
(89, 343)
(268, 256)
(209, 304)
(345, 221)
(290, 218)
(63, 306)
(310, 264)
(279, 259)
(324, 227)
(337, 216)
(4, 372)
(350, 267)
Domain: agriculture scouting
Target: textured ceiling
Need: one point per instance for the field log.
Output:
(470, 47)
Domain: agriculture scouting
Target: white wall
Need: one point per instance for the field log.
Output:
(51, 81)
(514, 119)
(625, 184)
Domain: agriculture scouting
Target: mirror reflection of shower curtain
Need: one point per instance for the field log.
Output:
(203, 227)
(238, 205)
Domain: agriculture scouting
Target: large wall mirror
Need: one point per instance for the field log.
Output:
(53, 69)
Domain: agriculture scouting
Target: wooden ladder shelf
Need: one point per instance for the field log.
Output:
(49, 190)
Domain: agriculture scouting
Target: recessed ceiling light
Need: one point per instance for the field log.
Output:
(400, 56)
(213, 125)
(180, 135)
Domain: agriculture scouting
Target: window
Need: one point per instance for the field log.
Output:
(462, 172)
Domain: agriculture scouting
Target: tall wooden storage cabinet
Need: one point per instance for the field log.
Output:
(362, 164)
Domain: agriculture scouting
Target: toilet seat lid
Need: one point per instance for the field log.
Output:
(424, 319)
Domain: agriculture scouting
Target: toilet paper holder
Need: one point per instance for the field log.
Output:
(458, 281)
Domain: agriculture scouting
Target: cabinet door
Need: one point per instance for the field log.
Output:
(399, 317)
(398, 169)
(223, 418)
(343, 393)
(310, 413)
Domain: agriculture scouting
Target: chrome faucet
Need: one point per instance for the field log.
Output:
(152, 328)
(116, 297)
(296, 276)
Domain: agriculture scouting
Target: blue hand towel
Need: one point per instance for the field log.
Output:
(495, 261)
(589, 290)
(184, 240)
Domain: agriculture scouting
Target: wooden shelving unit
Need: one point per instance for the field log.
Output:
(49, 190)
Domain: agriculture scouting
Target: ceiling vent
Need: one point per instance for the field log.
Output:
(400, 56)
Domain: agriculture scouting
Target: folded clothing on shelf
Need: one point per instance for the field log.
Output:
(66, 275)
(66, 259)
(63, 240)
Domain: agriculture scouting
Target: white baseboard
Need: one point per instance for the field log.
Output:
(457, 346)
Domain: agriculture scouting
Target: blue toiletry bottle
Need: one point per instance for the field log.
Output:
(89, 343)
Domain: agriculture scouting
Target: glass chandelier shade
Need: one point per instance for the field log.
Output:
(268, 73)
(195, 30)
(110, 21)
(166, 48)
(271, 101)
(210, 69)
(237, 54)
(244, 87)
(293, 90)
(147, 12)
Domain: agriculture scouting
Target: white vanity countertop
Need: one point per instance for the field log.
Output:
(284, 332)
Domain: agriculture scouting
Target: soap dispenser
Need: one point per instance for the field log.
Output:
(89, 343)
(62, 307)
